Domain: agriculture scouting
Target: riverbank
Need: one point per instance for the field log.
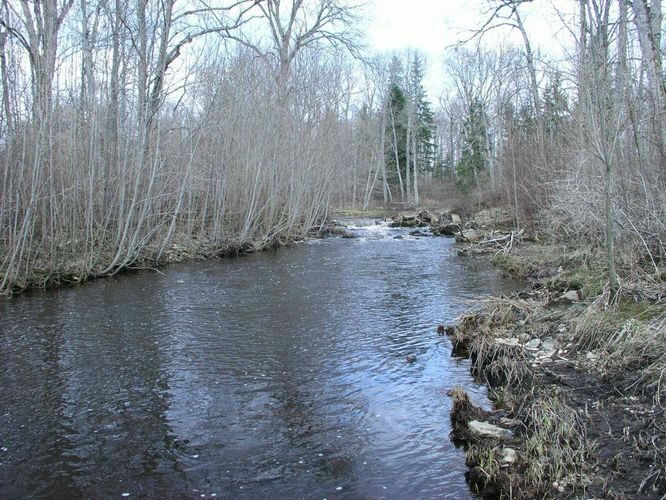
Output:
(70, 270)
(577, 377)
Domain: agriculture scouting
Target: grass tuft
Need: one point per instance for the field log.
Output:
(556, 450)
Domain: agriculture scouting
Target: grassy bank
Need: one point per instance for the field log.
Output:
(578, 373)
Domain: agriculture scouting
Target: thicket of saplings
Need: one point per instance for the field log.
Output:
(234, 166)
(596, 190)
(128, 128)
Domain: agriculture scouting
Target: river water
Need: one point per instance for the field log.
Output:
(276, 375)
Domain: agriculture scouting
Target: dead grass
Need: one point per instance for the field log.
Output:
(499, 364)
(483, 335)
(546, 259)
(557, 451)
(554, 453)
(462, 411)
(615, 342)
(628, 336)
(627, 330)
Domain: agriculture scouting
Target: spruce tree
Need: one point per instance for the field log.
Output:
(396, 127)
(425, 121)
(473, 161)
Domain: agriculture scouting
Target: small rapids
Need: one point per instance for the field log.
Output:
(280, 374)
(374, 229)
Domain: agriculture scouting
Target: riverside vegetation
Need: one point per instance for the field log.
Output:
(576, 373)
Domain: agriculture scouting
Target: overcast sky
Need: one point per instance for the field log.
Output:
(432, 25)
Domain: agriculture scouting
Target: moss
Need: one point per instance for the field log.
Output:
(513, 265)
(590, 282)
(532, 260)
(638, 310)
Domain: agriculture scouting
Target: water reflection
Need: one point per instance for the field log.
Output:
(278, 374)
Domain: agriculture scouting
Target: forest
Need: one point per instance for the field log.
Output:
(128, 127)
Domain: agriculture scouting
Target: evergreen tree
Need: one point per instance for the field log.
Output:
(473, 161)
(425, 121)
(555, 106)
(396, 127)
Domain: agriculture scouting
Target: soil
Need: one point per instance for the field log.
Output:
(623, 425)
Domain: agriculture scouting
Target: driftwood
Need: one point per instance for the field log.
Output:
(493, 242)
(504, 243)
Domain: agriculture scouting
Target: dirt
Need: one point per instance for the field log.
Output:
(623, 425)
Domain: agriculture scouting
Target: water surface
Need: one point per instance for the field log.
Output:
(280, 374)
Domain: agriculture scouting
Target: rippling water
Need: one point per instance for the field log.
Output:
(280, 374)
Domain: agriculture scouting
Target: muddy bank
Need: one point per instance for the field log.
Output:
(578, 381)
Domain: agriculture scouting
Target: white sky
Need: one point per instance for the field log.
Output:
(431, 26)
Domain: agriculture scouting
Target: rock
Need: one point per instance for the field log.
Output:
(558, 487)
(409, 219)
(428, 217)
(547, 356)
(565, 299)
(486, 430)
(399, 237)
(348, 234)
(509, 422)
(336, 229)
(411, 358)
(508, 456)
(455, 218)
(449, 229)
(416, 232)
(533, 344)
(523, 338)
(571, 296)
(469, 235)
(549, 344)
(511, 342)
(441, 329)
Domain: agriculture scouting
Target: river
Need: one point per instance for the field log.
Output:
(276, 375)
